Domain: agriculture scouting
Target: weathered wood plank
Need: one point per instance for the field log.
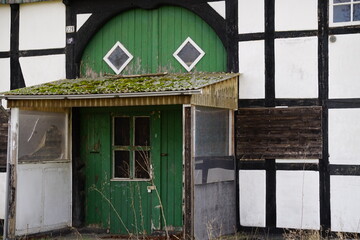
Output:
(278, 133)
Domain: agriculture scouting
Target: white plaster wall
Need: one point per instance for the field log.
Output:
(296, 68)
(42, 25)
(252, 190)
(81, 20)
(37, 70)
(344, 68)
(4, 28)
(344, 136)
(252, 69)
(251, 16)
(43, 197)
(291, 15)
(5, 76)
(297, 198)
(219, 7)
(304, 161)
(344, 203)
(2, 194)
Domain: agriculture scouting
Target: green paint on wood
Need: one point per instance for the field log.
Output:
(123, 206)
(152, 36)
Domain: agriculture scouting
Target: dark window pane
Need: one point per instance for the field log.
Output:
(118, 57)
(188, 54)
(142, 131)
(342, 13)
(341, 1)
(356, 16)
(122, 164)
(142, 164)
(122, 131)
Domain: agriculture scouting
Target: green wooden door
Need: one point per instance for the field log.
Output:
(133, 160)
(152, 37)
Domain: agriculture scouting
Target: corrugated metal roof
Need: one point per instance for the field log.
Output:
(124, 85)
(21, 1)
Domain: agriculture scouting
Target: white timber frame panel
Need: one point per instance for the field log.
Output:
(292, 15)
(5, 27)
(345, 207)
(344, 68)
(5, 76)
(296, 64)
(219, 7)
(252, 200)
(344, 136)
(297, 196)
(81, 19)
(41, 69)
(42, 25)
(252, 68)
(251, 16)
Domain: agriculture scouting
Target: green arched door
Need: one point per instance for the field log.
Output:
(136, 42)
(152, 37)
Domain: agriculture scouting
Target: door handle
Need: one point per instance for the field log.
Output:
(164, 154)
(151, 188)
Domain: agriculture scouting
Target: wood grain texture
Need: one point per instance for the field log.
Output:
(279, 133)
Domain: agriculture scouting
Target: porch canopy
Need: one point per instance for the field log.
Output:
(202, 89)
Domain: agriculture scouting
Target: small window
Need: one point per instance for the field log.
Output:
(131, 148)
(188, 54)
(345, 12)
(118, 57)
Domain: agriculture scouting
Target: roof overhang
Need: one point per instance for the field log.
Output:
(221, 94)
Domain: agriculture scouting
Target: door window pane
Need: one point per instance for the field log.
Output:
(142, 164)
(142, 131)
(122, 164)
(122, 131)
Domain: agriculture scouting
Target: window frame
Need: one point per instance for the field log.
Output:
(338, 24)
(132, 148)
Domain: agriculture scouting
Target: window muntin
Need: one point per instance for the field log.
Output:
(42, 137)
(131, 148)
(345, 12)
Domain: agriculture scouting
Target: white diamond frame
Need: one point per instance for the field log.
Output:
(118, 44)
(202, 53)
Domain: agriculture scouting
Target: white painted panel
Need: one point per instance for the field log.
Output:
(4, 76)
(252, 188)
(344, 68)
(296, 68)
(29, 198)
(293, 15)
(344, 136)
(37, 70)
(42, 25)
(297, 198)
(81, 20)
(305, 161)
(219, 7)
(344, 203)
(252, 69)
(2, 194)
(251, 16)
(57, 194)
(5, 28)
(43, 197)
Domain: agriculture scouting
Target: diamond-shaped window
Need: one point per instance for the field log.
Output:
(118, 57)
(188, 54)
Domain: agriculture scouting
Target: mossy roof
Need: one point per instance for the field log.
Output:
(124, 84)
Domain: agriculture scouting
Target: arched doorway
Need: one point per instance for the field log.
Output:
(151, 37)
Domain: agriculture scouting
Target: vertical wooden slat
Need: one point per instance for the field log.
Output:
(189, 186)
